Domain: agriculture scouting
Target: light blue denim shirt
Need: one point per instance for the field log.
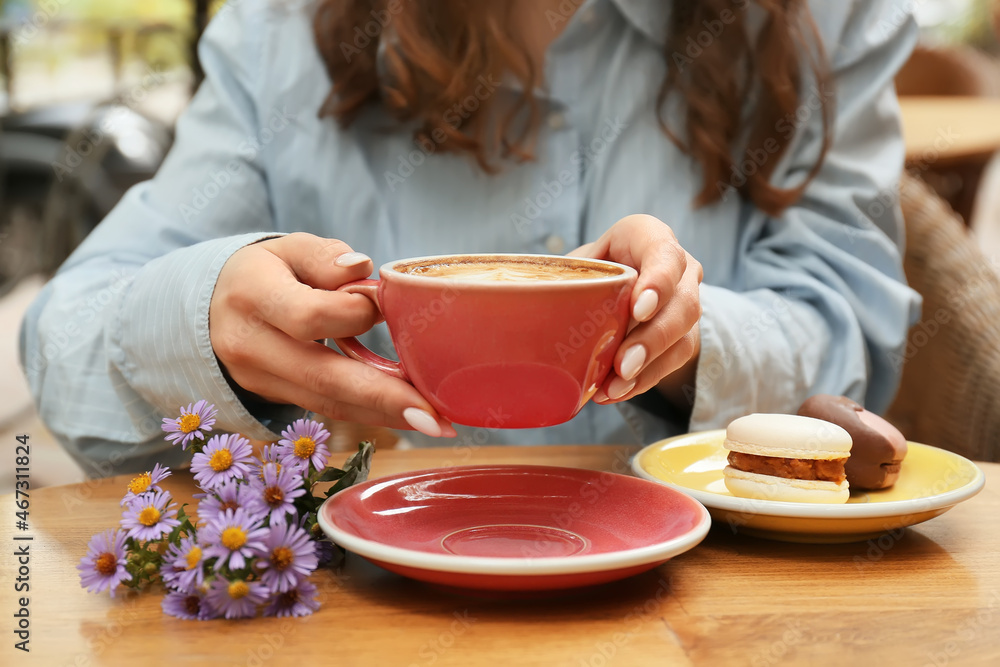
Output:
(811, 301)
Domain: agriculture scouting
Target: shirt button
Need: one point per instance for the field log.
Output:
(555, 244)
(557, 120)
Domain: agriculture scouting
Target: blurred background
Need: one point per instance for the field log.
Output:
(91, 90)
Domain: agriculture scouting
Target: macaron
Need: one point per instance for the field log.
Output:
(788, 458)
(879, 448)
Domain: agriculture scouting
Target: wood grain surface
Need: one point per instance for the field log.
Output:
(943, 129)
(929, 595)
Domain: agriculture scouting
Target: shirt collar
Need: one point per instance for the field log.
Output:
(649, 17)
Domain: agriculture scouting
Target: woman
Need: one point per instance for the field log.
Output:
(759, 141)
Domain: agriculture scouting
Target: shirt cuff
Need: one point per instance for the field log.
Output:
(160, 340)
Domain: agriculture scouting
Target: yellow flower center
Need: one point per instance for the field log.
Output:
(234, 538)
(221, 460)
(140, 484)
(277, 469)
(189, 422)
(238, 589)
(304, 447)
(193, 557)
(282, 557)
(149, 516)
(106, 564)
(273, 495)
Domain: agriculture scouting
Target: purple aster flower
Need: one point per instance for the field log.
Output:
(286, 557)
(104, 565)
(225, 457)
(274, 493)
(229, 495)
(145, 482)
(328, 553)
(150, 516)
(303, 441)
(233, 537)
(272, 454)
(298, 601)
(237, 598)
(195, 421)
(192, 605)
(183, 564)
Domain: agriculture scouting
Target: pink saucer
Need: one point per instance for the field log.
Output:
(514, 528)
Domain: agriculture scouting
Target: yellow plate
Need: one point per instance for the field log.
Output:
(931, 481)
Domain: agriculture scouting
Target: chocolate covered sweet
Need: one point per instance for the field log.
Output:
(878, 447)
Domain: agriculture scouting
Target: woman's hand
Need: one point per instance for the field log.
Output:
(662, 346)
(274, 300)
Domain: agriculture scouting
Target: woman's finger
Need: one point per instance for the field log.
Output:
(319, 262)
(322, 372)
(272, 294)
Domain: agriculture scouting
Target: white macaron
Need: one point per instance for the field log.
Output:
(787, 437)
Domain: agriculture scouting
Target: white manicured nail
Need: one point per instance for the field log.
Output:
(600, 396)
(632, 361)
(645, 305)
(351, 259)
(619, 387)
(422, 421)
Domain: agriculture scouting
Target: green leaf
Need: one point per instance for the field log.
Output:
(330, 474)
(356, 468)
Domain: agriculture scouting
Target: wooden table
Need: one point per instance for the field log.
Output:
(928, 596)
(942, 129)
(949, 142)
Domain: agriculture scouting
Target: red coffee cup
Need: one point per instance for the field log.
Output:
(526, 349)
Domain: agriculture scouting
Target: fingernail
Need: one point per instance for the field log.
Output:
(632, 361)
(448, 431)
(422, 421)
(619, 387)
(600, 396)
(353, 259)
(645, 305)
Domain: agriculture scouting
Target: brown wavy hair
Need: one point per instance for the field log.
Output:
(436, 52)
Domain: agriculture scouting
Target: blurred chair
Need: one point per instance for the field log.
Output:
(952, 72)
(950, 391)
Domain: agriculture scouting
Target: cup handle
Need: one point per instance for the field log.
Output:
(353, 348)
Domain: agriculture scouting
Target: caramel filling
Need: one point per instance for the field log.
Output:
(823, 470)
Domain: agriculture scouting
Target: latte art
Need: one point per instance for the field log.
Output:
(512, 271)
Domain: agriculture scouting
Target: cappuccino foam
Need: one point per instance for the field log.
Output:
(511, 271)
